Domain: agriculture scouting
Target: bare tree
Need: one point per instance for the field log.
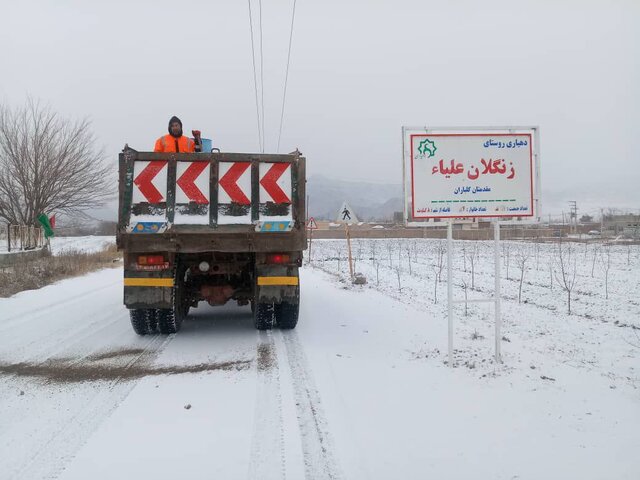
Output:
(464, 258)
(595, 257)
(398, 273)
(523, 254)
(49, 165)
(567, 266)
(472, 255)
(606, 265)
(435, 286)
(506, 253)
(409, 258)
(439, 265)
(466, 304)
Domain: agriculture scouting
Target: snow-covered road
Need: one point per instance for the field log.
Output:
(349, 394)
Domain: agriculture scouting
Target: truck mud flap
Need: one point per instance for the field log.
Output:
(277, 284)
(150, 291)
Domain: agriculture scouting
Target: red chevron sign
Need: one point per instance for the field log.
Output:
(144, 181)
(228, 183)
(187, 179)
(270, 183)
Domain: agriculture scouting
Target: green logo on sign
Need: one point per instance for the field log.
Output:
(427, 148)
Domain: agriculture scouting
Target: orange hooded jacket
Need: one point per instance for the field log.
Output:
(171, 144)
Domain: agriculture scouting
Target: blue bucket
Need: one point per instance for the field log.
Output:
(207, 145)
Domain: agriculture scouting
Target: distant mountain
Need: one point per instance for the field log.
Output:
(371, 201)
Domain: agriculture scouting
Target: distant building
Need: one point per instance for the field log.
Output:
(628, 224)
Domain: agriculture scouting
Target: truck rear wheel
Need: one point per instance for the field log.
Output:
(263, 316)
(143, 321)
(167, 321)
(287, 315)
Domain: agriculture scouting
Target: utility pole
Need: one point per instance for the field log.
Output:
(573, 216)
(601, 221)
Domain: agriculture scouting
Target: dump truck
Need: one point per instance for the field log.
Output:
(211, 227)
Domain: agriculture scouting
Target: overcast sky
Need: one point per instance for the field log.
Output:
(359, 71)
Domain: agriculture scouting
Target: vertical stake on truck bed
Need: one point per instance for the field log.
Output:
(255, 190)
(171, 189)
(126, 186)
(213, 188)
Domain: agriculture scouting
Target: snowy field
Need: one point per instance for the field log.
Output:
(360, 390)
(93, 243)
(87, 244)
(602, 332)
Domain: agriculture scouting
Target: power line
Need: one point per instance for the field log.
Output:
(286, 75)
(255, 79)
(262, 76)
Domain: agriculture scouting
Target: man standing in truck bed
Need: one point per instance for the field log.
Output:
(175, 141)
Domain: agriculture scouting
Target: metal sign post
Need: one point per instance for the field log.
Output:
(497, 294)
(450, 288)
(463, 174)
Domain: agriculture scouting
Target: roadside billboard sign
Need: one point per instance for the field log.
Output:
(464, 173)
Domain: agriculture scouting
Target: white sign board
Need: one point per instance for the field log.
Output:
(346, 214)
(470, 173)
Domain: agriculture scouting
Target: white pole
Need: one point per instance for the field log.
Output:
(450, 289)
(496, 250)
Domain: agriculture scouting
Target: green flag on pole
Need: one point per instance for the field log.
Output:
(44, 221)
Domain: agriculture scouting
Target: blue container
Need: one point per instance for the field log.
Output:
(207, 145)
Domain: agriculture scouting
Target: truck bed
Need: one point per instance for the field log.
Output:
(199, 202)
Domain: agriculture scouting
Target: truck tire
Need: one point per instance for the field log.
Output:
(263, 316)
(287, 315)
(143, 321)
(167, 321)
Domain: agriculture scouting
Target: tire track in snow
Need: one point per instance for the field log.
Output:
(58, 445)
(267, 458)
(64, 338)
(41, 350)
(46, 310)
(320, 461)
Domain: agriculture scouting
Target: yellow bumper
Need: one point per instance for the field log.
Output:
(148, 282)
(278, 281)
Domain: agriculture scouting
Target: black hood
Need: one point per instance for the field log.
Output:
(175, 119)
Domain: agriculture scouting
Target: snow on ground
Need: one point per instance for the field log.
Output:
(601, 333)
(92, 243)
(360, 389)
(88, 244)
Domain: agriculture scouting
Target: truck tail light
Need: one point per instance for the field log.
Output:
(278, 258)
(151, 260)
